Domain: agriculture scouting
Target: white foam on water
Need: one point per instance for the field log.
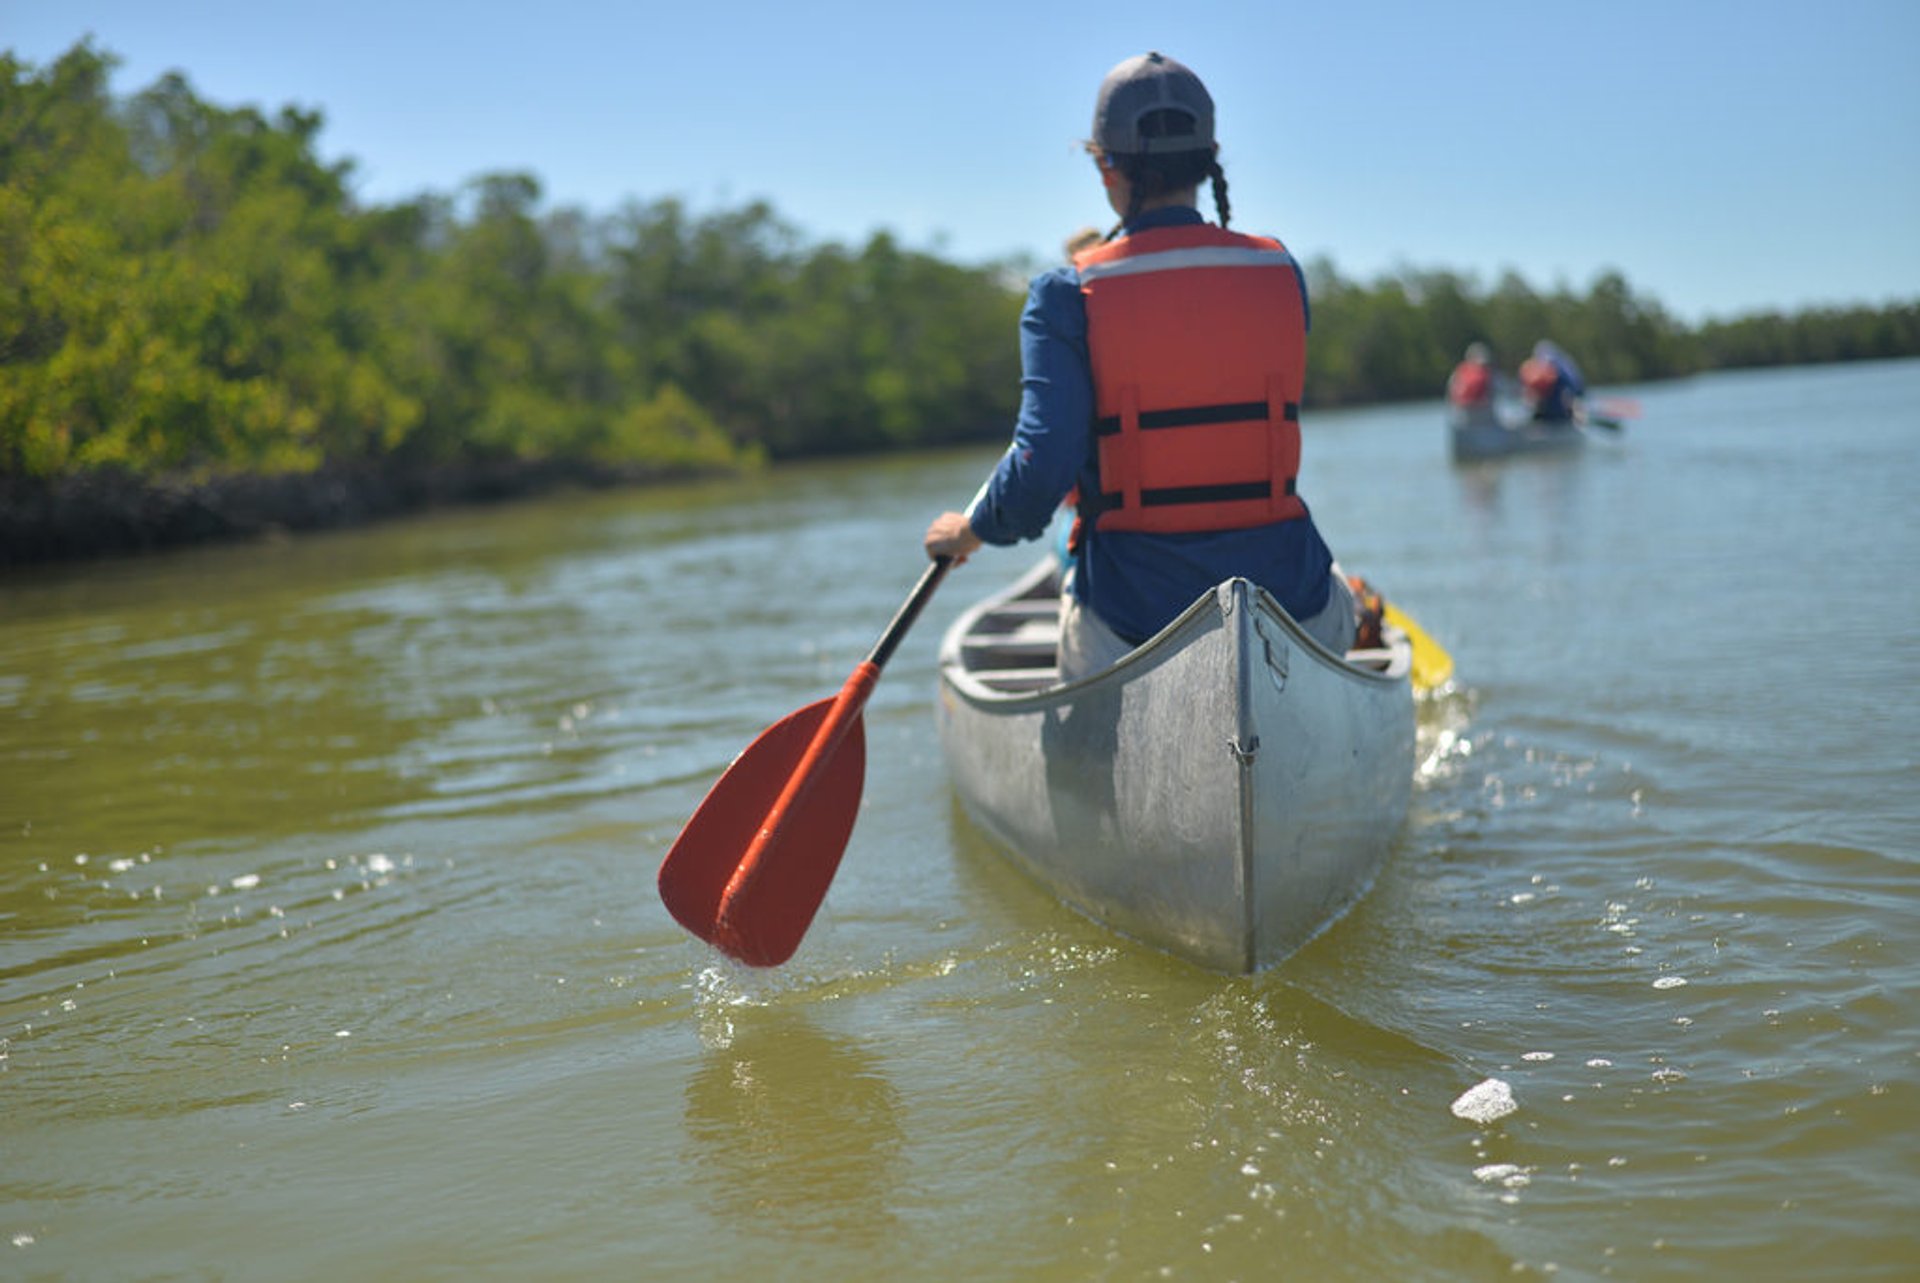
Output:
(1485, 1101)
(1511, 1175)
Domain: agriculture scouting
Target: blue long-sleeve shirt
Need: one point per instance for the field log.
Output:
(1569, 385)
(1134, 581)
(1570, 375)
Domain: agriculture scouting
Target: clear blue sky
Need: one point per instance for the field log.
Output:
(1725, 155)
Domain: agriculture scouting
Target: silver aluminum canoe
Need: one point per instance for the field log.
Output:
(1222, 793)
(1483, 434)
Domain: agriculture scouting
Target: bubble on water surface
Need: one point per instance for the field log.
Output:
(1669, 982)
(1511, 1175)
(245, 882)
(1485, 1102)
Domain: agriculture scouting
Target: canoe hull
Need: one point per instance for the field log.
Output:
(1486, 435)
(1223, 793)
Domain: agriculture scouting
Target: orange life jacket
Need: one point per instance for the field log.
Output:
(1471, 384)
(1198, 339)
(1539, 377)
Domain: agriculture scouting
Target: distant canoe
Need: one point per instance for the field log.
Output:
(1222, 793)
(1486, 433)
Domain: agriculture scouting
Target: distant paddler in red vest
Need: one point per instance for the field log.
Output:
(1162, 375)
(1471, 383)
(1471, 386)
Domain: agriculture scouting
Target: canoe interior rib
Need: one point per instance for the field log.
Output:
(1222, 792)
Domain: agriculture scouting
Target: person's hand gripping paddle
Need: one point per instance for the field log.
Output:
(753, 864)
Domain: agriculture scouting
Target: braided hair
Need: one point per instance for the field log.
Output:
(1151, 174)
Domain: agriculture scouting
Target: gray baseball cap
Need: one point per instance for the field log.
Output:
(1146, 84)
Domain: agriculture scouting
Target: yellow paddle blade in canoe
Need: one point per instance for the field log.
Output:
(1432, 666)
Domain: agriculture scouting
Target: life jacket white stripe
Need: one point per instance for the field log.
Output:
(1199, 256)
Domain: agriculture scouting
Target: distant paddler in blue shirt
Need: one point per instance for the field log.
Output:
(1161, 385)
(1551, 384)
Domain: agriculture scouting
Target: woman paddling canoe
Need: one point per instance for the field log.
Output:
(1162, 380)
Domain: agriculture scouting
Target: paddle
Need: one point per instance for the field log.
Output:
(1606, 414)
(1587, 419)
(751, 867)
(1432, 666)
(1618, 407)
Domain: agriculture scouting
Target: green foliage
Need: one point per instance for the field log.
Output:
(666, 431)
(1836, 334)
(172, 288)
(189, 288)
(1398, 338)
(186, 288)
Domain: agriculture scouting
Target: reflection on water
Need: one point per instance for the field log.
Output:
(792, 1129)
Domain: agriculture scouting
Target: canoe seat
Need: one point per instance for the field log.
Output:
(1015, 646)
(1019, 679)
(1025, 608)
(1012, 651)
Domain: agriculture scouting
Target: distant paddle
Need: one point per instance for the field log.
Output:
(751, 867)
(1432, 666)
(1607, 414)
(1590, 417)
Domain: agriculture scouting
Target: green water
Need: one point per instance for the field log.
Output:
(329, 946)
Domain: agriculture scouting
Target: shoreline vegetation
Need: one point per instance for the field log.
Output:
(204, 335)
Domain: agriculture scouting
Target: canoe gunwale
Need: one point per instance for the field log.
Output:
(968, 685)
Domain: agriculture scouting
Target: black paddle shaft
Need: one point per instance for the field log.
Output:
(908, 612)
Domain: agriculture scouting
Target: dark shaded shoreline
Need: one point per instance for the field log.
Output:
(113, 513)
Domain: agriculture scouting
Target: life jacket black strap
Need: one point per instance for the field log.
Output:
(1195, 415)
(1170, 496)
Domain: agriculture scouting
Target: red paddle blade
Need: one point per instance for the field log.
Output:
(759, 919)
(1618, 407)
(753, 864)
